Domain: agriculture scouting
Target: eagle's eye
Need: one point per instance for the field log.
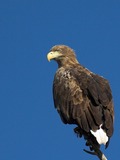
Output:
(59, 50)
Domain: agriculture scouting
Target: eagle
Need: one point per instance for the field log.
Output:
(83, 98)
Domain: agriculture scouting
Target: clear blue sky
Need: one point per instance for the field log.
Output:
(30, 127)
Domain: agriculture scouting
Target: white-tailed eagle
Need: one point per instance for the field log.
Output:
(82, 98)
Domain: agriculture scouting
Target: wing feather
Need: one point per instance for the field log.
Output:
(83, 98)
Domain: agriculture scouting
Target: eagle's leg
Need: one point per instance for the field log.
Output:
(91, 142)
(78, 131)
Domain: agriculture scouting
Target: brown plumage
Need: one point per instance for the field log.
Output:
(81, 97)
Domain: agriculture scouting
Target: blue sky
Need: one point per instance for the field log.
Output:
(30, 128)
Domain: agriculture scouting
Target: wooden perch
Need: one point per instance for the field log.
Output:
(96, 152)
(94, 147)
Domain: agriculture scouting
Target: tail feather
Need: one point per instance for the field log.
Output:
(100, 136)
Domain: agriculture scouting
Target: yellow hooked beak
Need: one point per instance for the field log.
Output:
(51, 55)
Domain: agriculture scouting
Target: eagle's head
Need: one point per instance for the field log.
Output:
(63, 54)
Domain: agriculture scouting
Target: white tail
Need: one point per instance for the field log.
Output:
(100, 136)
